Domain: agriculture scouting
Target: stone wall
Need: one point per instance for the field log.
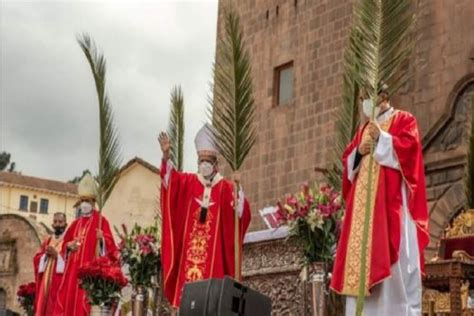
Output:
(295, 138)
(20, 239)
(273, 268)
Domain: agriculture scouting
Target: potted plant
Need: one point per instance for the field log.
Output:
(26, 297)
(103, 281)
(140, 253)
(313, 217)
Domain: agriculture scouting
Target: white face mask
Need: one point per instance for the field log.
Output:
(86, 208)
(206, 169)
(367, 106)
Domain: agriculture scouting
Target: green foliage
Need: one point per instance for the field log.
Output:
(101, 292)
(4, 160)
(140, 251)
(109, 152)
(232, 109)
(382, 45)
(176, 127)
(78, 179)
(347, 114)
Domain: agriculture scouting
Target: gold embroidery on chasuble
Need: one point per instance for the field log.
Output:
(197, 253)
(57, 245)
(354, 246)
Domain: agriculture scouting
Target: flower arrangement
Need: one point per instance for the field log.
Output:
(26, 297)
(313, 216)
(102, 279)
(140, 251)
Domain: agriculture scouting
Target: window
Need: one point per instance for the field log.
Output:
(23, 203)
(283, 84)
(44, 203)
(34, 207)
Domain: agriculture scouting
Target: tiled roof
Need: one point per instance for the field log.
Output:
(142, 162)
(14, 178)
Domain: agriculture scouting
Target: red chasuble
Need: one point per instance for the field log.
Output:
(192, 250)
(72, 300)
(385, 215)
(47, 281)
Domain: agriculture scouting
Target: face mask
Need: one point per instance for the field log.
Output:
(58, 230)
(206, 169)
(86, 208)
(367, 106)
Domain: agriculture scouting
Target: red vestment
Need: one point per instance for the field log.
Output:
(384, 240)
(192, 250)
(48, 280)
(72, 300)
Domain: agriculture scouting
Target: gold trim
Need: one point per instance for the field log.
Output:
(354, 245)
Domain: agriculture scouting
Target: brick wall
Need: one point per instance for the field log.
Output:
(294, 139)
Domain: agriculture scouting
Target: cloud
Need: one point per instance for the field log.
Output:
(49, 110)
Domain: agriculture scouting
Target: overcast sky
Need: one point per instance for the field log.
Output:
(49, 111)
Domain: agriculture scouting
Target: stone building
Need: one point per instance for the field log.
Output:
(36, 198)
(296, 49)
(135, 197)
(20, 239)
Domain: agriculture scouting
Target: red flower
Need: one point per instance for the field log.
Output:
(25, 290)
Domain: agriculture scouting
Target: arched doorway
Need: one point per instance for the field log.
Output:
(20, 239)
(445, 159)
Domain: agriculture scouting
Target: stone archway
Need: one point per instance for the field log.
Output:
(445, 159)
(20, 239)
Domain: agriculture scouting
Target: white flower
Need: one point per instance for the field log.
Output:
(314, 219)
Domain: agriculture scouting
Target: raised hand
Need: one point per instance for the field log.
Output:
(165, 145)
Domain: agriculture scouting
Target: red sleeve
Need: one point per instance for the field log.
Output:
(110, 246)
(39, 254)
(173, 199)
(408, 149)
(68, 237)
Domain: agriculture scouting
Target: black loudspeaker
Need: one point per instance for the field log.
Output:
(223, 297)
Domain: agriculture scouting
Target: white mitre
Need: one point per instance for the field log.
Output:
(87, 187)
(204, 141)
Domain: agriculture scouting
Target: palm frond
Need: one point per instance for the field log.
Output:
(470, 164)
(109, 151)
(382, 45)
(176, 127)
(232, 108)
(347, 115)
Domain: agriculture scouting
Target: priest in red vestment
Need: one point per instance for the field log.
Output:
(398, 230)
(49, 268)
(198, 219)
(83, 241)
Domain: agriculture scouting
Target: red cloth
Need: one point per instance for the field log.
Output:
(72, 300)
(388, 203)
(192, 250)
(47, 282)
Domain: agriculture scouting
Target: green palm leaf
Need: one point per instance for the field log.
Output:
(232, 108)
(176, 127)
(348, 114)
(470, 164)
(109, 155)
(382, 46)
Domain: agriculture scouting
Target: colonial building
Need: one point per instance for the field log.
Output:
(36, 198)
(135, 197)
